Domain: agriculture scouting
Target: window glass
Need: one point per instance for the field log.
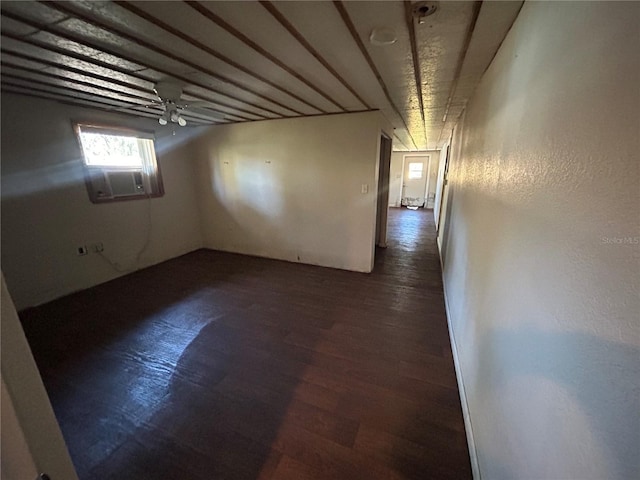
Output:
(111, 150)
(415, 169)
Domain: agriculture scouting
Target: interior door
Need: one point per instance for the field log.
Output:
(441, 183)
(414, 183)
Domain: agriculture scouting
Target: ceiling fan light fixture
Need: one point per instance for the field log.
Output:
(168, 90)
(383, 36)
(171, 101)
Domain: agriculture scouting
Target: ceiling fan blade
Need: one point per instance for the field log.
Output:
(203, 112)
(197, 104)
(155, 104)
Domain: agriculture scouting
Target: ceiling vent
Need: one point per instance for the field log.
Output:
(421, 10)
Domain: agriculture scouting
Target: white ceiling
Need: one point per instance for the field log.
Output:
(258, 60)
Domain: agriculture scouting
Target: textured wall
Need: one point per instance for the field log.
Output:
(542, 264)
(47, 214)
(292, 189)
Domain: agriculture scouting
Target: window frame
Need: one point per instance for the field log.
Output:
(151, 175)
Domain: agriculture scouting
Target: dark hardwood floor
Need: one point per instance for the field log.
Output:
(221, 366)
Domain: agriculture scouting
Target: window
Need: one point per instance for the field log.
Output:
(415, 170)
(119, 164)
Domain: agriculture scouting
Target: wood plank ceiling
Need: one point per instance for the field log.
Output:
(258, 60)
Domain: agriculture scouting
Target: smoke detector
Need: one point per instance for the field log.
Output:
(421, 10)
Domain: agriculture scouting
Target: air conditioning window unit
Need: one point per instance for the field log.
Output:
(119, 164)
(109, 184)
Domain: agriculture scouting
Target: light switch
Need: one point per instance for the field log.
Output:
(365, 188)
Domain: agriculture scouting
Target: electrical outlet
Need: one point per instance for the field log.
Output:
(82, 250)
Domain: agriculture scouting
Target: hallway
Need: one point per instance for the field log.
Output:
(216, 365)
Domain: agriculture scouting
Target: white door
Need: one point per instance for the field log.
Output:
(414, 183)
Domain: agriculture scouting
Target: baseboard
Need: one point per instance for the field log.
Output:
(473, 454)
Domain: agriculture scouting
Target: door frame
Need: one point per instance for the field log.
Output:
(441, 181)
(382, 202)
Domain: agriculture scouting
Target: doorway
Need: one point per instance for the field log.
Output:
(441, 186)
(416, 172)
(384, 167)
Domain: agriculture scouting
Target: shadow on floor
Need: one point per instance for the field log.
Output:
(215, 365)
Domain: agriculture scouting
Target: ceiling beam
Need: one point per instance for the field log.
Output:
(63, 8)
(82, 88)
(463, 54)
(356, 37)
(110, 79)
(417, 73)
(82, 42)
(271, 8)
(98, 81)
(54, 90)
(66, 100)
(92, 90)
(477, 5)
(178, 33)
(74, 99)
(45, 73)
(250, 43)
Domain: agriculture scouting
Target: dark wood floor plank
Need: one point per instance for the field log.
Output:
(222, 366)
(290, 469)
(332, 460)
(413, 460)
(323, 422)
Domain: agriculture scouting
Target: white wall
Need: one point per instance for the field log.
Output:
(395, 180)
(31, 438)
(46, 212)
(542, 267)
(291, 189)
(16, 460)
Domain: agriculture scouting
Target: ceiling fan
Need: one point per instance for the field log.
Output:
(170, 100)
